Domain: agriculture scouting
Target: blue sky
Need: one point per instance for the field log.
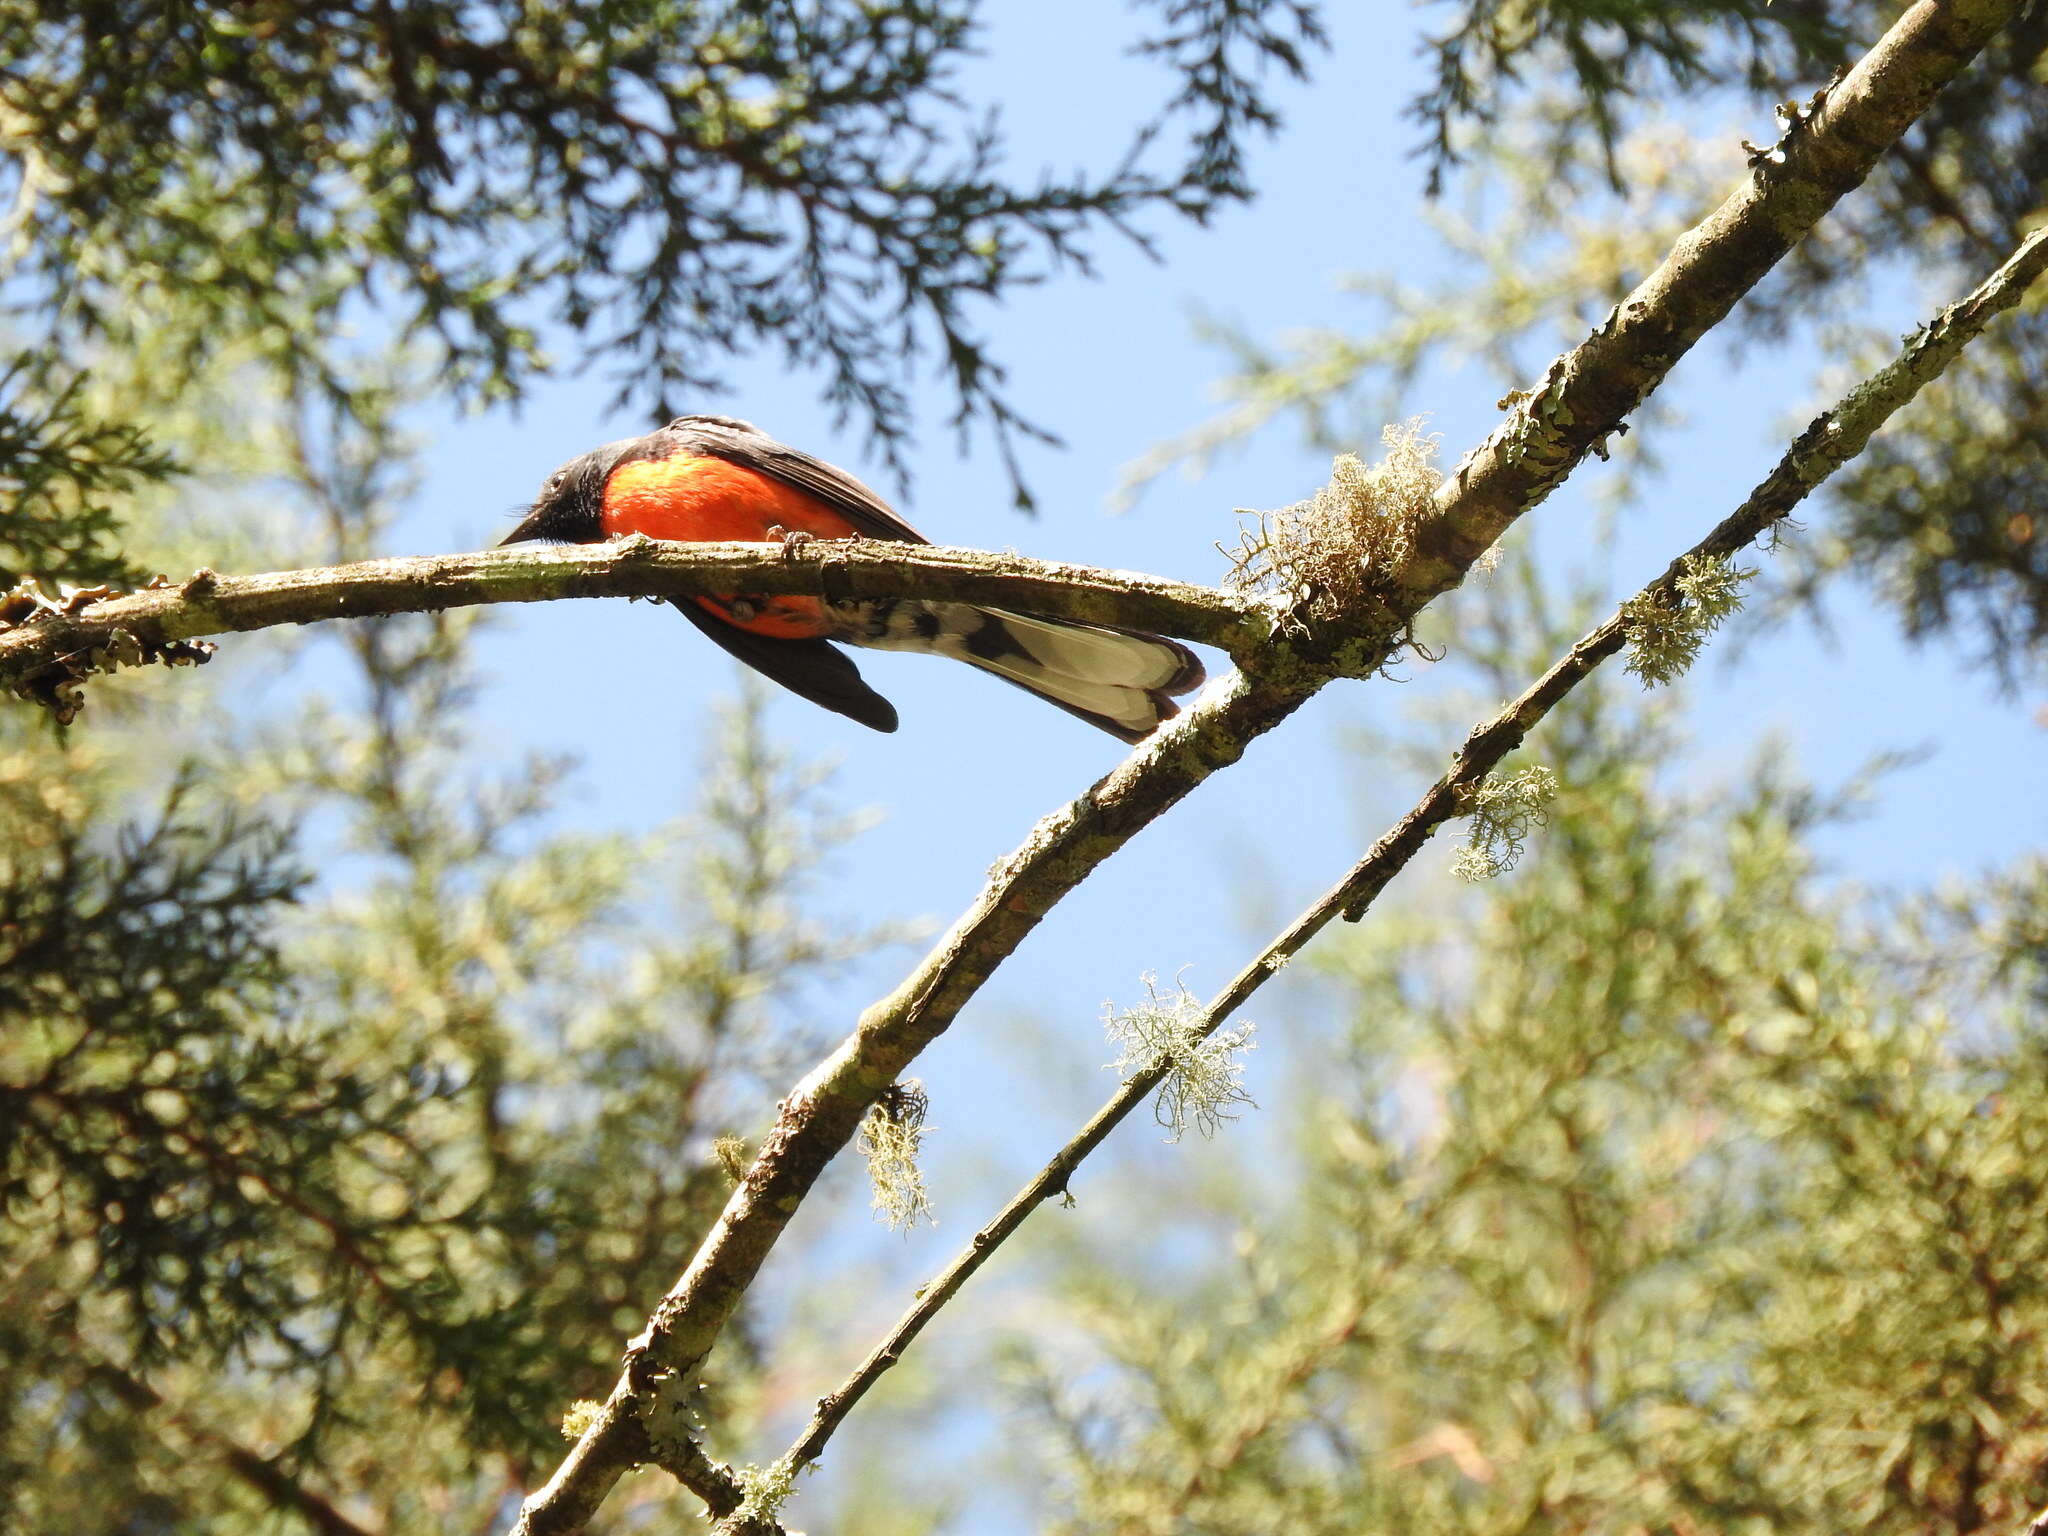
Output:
(1113, 367)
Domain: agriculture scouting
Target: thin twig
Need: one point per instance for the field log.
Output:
(1831, 440)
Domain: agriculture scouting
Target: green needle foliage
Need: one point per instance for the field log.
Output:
(1662, 1184)
(353, 1115)
(60, 472)
(1612, 53)
(669, 182)
(150, 1110)
(299, 1180)
(1556, 112)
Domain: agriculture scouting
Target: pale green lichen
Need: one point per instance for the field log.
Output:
(578, 1417)
(889, 1138)
(1667, 628)
(1503, 813)
(1204, 1074)
(732, 1156)
(763, 1490)
(1350, 538)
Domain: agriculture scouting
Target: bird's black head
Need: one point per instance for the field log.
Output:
(570, 507)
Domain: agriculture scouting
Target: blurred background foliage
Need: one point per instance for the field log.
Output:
(1575, 179)
(281, 1154)
(351, 1115)
(1668, 1185)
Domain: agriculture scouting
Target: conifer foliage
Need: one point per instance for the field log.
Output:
(357, 1120)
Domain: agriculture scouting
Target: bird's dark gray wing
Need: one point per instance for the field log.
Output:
(725, 438)
(813, 669)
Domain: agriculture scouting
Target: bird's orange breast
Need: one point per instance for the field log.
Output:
(697, 500)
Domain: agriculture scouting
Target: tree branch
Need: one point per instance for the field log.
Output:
(1584, 397)
(1831, 440)
(821, 1113)
(1828, 148)
(46, 636)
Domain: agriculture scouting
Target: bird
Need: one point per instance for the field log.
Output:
(709, 478)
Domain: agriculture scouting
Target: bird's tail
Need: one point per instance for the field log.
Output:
(1122, 681)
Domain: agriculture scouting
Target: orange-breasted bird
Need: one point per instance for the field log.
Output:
(714, 478)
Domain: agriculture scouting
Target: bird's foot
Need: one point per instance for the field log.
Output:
(793, 539)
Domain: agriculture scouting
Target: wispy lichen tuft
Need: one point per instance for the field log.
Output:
(1667, 629)
(1204, 1082)
(731, 1154)
(1348, 539)
(889, 1138)
(578, 1418)
(764, 1490)
(1503, 813)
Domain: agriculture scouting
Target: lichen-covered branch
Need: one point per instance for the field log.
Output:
(1583, 400)
(647, 1415)
(38, 638)
(1828, 148)
(1831, 440)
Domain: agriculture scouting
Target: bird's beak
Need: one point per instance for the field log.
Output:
(557, 520)
(532, 526)
(567, 509)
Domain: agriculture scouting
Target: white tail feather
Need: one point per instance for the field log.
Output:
(1119, 681)
(1095, 655)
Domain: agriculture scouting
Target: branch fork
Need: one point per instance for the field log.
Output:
(1584, 398)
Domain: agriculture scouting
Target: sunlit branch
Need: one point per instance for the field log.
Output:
(1831, 440)
(208, 605)
(1582, 399)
